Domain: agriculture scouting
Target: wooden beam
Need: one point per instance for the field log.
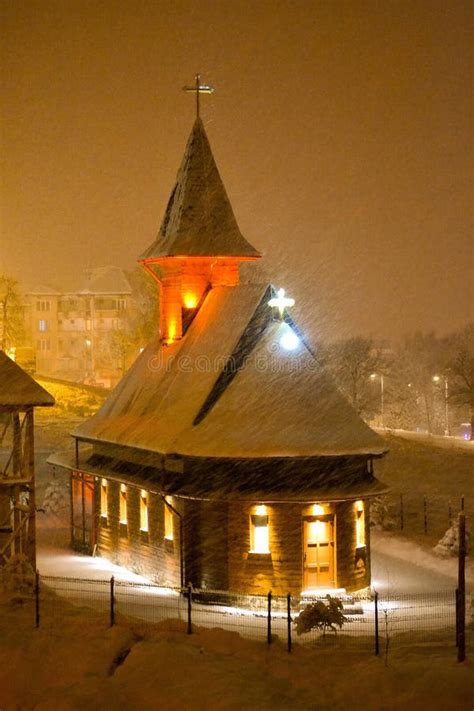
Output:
(30, 466)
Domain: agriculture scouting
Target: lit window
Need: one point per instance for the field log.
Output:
(42, 325)
(259, 538)
(169, 535)
(143, 510)
(190, 300)
(360, 524)
(103, 498)
(123, 503)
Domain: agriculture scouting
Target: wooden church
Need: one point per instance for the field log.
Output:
(225, 457)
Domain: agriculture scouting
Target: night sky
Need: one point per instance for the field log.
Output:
(342, 131)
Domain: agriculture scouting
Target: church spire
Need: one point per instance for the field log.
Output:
(199, 244)
(199, 220)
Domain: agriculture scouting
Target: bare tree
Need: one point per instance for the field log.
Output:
(11, 313)
(351, 362)
(461, 372)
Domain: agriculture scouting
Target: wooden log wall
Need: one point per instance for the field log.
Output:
(353, 564)
(218, 547)
(145, 553)
(222, 558)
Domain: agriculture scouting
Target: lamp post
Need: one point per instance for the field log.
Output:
(373, 377)
(436, 379)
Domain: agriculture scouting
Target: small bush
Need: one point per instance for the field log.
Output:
(321, 616)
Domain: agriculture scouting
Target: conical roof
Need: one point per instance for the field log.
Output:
(199, 221)
(17, 388)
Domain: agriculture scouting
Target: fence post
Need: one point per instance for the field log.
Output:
(269, 618)
(401, 512)
(376, 615)
(462, 502)
(425, 514)
(190, 593)
(37, 599)
(112, 601)
(457, 615)
(288, 613)
(461, 616)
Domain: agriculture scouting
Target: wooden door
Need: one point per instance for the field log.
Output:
(83, 513)
(318, 553)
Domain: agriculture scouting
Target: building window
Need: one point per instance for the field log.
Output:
(123, 504)
(42, 325)
(259, 538)
(121, 304)
(169, 533)
(42, 305)
(360, 524)
(103, 498)
(144, 510)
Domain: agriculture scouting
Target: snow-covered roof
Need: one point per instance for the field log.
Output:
(43, 290)
(199, 221)
(99, 280)
(228, 389)
(17, 388)
(105, 280)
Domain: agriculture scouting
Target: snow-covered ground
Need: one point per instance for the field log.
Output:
(78, 662)
(399, 564)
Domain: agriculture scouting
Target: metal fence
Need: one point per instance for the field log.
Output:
(415, 513)
(371, 620)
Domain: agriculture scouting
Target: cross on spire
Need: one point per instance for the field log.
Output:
(281, 302)
(198, 89)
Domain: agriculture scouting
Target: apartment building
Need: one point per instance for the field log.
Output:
(71, 332)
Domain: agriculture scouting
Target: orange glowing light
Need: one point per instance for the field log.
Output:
(171, 335)
(190, 300)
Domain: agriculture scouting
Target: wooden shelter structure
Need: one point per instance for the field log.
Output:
(19, 395)
(226, 456)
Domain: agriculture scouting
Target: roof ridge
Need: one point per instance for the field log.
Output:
(236, 361)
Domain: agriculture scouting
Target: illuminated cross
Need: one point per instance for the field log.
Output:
(198, 89)
(281, 302)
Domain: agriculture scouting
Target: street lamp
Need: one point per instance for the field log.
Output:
(373, 377)
(436, 379)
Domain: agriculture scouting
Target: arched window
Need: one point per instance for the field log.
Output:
(123, 504)
(144, 510)
(103, 498)
(360, 524)
(259, 534)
